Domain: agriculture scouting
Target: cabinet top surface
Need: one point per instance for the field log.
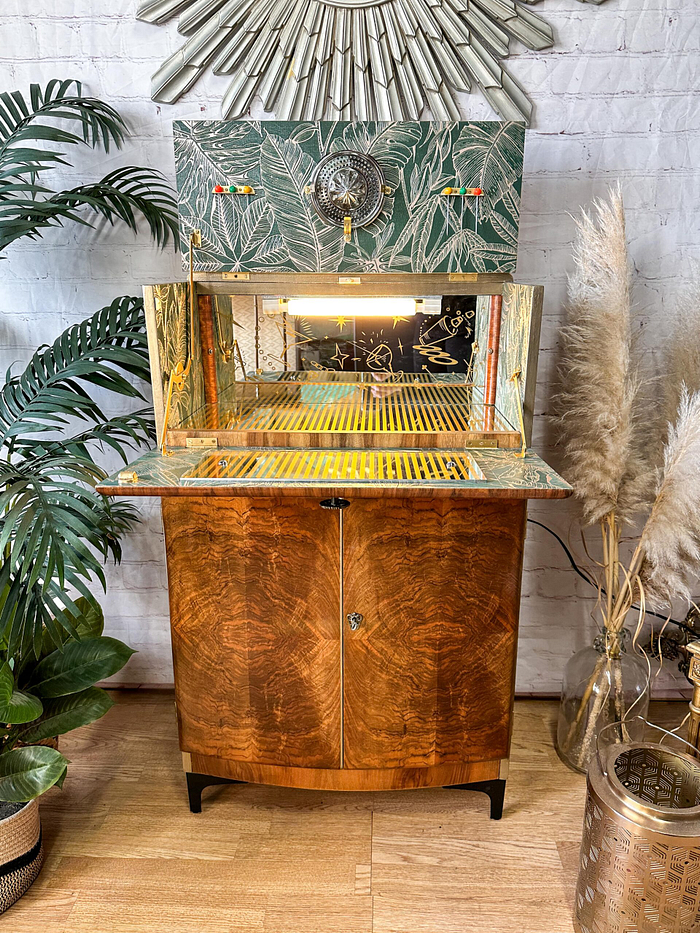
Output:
(478, 472)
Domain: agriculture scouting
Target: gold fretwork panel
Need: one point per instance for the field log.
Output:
(633, 880)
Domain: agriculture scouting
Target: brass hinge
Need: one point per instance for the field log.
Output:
(235, 276)
(201, 442)
(464, 276)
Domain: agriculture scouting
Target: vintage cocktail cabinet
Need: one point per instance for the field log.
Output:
(344, 392)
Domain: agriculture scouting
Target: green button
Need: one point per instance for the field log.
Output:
(462, 190)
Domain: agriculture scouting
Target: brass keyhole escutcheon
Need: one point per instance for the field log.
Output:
(354, 619)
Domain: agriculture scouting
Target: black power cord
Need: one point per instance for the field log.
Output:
(591, 582)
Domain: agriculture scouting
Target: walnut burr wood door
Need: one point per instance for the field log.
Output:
(429, 671)
(254, 604)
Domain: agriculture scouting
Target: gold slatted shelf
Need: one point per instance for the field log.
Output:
(404, 410)
(257, 467)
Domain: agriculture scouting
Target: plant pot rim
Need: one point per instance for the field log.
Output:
(26, 803)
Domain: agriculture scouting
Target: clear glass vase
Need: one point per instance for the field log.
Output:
(603, 684)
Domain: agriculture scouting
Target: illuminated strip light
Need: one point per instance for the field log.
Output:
(347, 307)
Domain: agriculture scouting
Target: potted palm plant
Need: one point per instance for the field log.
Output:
(56, 531)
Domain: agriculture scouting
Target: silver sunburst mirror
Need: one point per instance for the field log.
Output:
(350, 59)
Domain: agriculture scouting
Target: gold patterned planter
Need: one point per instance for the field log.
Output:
(640, 853)
(21, 853)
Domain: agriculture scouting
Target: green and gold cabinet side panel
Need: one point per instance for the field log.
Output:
(166, 308)
(275, 227)
(521, 317)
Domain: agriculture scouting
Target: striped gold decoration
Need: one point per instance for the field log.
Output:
(410, 406)
(342, 466)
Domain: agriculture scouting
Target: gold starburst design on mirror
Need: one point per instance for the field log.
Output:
(350, 59)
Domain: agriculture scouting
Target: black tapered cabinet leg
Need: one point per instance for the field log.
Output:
(196, 784)
(495, 789)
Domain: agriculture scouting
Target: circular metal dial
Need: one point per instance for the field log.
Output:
(348, 184)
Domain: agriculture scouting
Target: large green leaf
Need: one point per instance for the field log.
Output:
(67, 713)
(489, 156)
(27, 772)
(285, 168)
(22, 707)
(78, 665)
(7, 683)
(92, 621)
(55, 530)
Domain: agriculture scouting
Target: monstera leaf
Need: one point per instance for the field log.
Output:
(313, 245)
(393, 145)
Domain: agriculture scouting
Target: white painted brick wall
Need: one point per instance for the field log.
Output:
(616, 98)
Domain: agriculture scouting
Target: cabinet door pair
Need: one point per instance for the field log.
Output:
(265, 654)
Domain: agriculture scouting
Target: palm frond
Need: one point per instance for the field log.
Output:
(56, 531)
(121, 195)
(100, 124)
(28, 206)
(120, 434)
(101, 351)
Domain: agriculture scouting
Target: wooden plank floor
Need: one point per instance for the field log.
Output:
(125, 855)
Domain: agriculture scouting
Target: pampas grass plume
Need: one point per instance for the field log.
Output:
(670, 541)
(600, 387)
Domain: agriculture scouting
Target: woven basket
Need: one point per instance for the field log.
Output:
(21, 853)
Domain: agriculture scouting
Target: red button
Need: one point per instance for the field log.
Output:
(218, 189)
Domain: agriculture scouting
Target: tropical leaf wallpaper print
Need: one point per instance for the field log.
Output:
(278, 230)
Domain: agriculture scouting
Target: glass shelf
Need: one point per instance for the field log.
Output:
(303, 403)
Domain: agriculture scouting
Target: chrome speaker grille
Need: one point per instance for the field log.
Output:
(348, 184)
